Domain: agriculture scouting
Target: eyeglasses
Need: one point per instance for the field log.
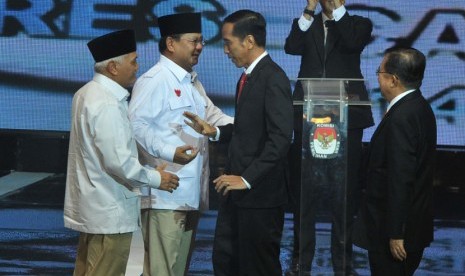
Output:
(195, 42)
(382, 72)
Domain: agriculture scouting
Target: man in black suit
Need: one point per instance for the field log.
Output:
(251, 212)
(398, 213)
(330, 44)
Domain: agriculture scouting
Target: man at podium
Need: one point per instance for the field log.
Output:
(330, 44)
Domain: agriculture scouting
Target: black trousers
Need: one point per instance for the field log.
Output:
(247, 240)
(320, 182)
(383, 264)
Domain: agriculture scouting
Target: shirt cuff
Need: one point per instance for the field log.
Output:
(304, 23)
(246, 183)
(217, 137)
(339, 13)
(154, 178)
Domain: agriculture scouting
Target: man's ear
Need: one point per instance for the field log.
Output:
(395, 82)
(249, 41)
(170, 44)
(111, 68)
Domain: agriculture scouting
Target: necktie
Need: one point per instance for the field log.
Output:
(241, 85)
(329, 24)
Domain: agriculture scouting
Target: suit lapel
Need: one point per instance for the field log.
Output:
(318, 34)
(386, 117)
(379, 128)
(251, 79)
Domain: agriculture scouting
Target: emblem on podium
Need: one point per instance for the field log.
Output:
(324, 141)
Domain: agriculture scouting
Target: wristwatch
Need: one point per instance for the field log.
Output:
(309, 12)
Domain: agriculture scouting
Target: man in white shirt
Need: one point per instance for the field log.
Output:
(160, 97)
(104, 174)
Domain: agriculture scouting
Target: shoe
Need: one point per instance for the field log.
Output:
(296, 270)
(349, 272)
(293, 270)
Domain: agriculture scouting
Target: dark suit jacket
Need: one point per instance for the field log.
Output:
(400, 176)
(260, 137)
(345, 43)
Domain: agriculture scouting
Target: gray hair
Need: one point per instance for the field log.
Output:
(99, 67)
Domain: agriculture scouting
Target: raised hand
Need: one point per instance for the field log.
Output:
(329, 6)
(311, 4)
(199, 125)
(338, 3)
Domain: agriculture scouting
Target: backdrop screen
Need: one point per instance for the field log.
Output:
(44, 58)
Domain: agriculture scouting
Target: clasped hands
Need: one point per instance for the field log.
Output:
(224, 183)
(311, 4)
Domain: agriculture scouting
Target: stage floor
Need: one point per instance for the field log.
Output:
(33, 240)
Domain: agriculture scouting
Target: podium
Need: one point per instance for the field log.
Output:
(327, 204)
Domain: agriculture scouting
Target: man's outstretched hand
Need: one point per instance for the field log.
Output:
(199, 125)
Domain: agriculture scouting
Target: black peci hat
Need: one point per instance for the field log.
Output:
(112, 45)
(180, 23)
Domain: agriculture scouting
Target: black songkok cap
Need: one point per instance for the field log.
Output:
(179, 23)
(112, 45)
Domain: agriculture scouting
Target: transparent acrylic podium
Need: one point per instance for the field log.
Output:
(323, 199)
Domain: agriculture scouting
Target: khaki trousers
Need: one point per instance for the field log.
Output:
(168, 236)
(102, 254)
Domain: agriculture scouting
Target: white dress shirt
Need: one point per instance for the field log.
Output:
(103, 165)
(398, 97)
(160, 97)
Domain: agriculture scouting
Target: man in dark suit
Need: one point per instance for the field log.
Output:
(251, 212)
(330, 44)
(398, 213)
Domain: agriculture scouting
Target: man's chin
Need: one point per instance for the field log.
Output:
(235, 63)
(130, 84)
(240, 65)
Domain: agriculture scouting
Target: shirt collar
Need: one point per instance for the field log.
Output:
(337, 14)
(114, 88)
(177, 70)
(325, 18)
(398, 97)
(255, 62)
(193, 76)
